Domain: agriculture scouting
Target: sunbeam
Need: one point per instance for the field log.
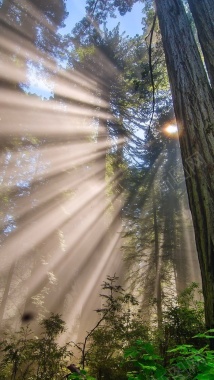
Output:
(82, 183)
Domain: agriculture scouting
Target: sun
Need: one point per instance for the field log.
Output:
(171, 129)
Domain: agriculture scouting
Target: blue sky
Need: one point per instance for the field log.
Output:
(130, 23)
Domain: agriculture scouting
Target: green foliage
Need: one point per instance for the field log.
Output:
(147, 354)
(53, 325)
(119, 347)
(188, 363)
(85, 52)
(83, 375)
(181, 321)
(54, 11)
(146, 362)
(121, 326)
(100, 11)
(192, 363)
(32, 358)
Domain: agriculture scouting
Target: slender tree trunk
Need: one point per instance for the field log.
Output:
(158, 293)
(6, 291)
(193, 104)
(203, 14)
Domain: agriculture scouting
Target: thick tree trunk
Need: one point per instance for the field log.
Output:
(203, 14)
(193, 104)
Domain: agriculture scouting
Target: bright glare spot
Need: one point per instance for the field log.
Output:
(171, 129)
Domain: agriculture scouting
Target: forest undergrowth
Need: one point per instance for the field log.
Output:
(121, 346)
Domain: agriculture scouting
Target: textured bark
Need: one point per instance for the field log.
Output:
(203, 14)
(193, 104)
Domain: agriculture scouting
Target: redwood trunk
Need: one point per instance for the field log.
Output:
(203, 14)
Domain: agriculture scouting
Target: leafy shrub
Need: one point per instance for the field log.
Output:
(182, 320)
(120, 326)
(188, 363)
(24, 357)
(147, 363)
(83, 375)
(119, 347)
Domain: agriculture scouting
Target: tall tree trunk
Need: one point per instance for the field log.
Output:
(158, 292)
(6, 291)
(193, 104)
(203, 14)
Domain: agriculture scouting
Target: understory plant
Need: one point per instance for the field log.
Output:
(120, 325)
(121, 346)
(83, 375)
(187, 363)
(27, 357)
